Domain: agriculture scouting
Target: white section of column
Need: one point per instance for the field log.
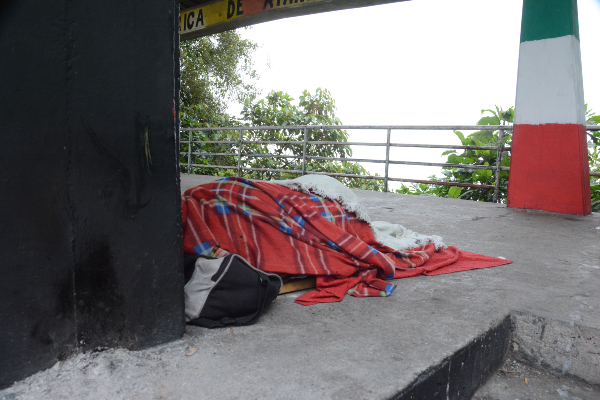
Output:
(549, 82)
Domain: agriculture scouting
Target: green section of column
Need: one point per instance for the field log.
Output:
(546, 19)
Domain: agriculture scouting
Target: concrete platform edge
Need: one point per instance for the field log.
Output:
(556, 346)
(460, 375)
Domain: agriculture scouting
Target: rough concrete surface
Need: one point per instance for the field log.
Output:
(554, 345)
(365, 348)
(515, 380)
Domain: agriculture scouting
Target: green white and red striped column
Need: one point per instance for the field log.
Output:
(549, 165)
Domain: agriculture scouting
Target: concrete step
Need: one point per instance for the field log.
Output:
(516, 380)
(433, 335)
(461, 374)
(283, 361)
(525, 356)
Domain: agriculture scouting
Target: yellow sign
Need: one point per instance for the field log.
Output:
(230, 10)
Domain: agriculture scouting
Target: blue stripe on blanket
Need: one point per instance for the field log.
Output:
(328, 216)
(203, 248)
(222, 207)
(285, 228)
(389, 289)
(299, 220)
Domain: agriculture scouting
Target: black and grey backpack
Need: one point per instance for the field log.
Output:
(226, 291)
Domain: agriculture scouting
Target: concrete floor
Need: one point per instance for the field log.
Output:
(372, 348)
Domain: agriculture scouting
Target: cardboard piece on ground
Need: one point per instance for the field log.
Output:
(298, 284)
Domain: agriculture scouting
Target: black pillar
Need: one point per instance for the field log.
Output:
(90, 219)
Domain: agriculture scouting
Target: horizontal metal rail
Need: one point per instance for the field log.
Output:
(363, 127)
(365, 160)
(299, 143)
(212, 166)
(500, 148)
(393, 127)
(370, 177)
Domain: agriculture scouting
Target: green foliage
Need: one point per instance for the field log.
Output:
(199, 148)
(488, 157)
(594, 157)
(472, 157)
(215, 70)
(279, 109)
(276, 109)
(218, 69)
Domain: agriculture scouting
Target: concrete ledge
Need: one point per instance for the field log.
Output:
(557, 346)
(465, 371)
(382, 348)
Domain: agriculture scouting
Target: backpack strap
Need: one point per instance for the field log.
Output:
(270, 285)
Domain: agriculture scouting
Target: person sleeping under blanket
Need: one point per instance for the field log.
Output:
(315, 226)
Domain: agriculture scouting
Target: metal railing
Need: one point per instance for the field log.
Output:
(240, 142)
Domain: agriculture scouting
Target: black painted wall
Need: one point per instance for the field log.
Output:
(90, 224)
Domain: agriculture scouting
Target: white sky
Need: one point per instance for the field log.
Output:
(421, 62)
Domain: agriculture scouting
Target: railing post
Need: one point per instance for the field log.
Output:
(189, 166)
(304, 151)
(387, 160)
(498, 163)
(239, 168)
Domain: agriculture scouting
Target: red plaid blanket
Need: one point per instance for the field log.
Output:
(281, 230)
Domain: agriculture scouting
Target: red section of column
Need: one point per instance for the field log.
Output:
(549, 169)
